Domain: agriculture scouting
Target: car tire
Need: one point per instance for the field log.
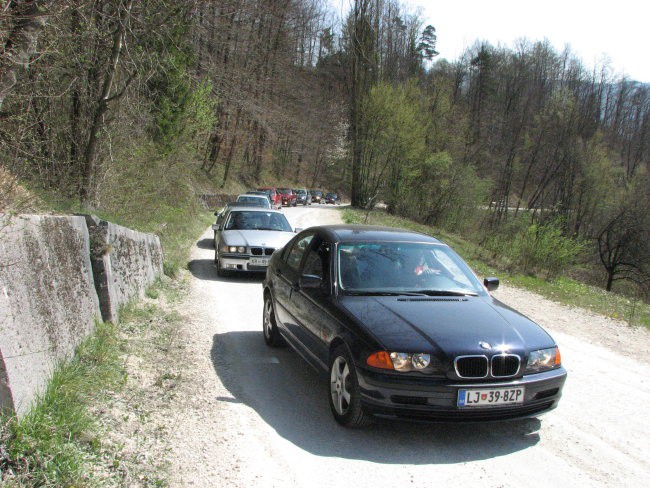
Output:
(272, 336)
(345, 395)
(222, 273)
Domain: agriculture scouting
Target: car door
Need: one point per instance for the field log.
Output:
(284, 283)
(311, 305)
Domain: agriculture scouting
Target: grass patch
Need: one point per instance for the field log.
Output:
(58, 441)
(561, 289)
(95, 419)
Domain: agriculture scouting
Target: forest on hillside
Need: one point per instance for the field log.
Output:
(131, 107)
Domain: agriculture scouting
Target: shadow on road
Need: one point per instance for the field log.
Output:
(205, 269)
(292, 399)
(205, 244)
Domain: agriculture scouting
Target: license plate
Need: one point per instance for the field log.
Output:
(260, 261)
(491, 396)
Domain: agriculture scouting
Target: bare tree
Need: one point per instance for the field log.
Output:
(24, 20)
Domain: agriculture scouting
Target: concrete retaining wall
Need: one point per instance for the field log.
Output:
(49, 298)
(47, 301)
(124, 262)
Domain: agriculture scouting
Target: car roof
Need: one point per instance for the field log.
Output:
(253, 195)
(371, 233)
(240, 204)
(253, 208)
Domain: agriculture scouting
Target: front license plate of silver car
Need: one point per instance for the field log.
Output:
(486, 397)
(260, 261)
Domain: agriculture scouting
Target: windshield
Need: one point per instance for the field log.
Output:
(399, 267)
(301, 192)
(284, 191)
(243, 220)
(255, 200)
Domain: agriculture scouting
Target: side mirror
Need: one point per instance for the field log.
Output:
(216, 214)
(491, 283)
(310, 281)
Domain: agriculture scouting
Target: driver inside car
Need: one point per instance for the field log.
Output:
(238, 222)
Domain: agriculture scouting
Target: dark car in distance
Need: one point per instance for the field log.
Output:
(316, 196)
(332, 198)
(403, 328)
(302, 196)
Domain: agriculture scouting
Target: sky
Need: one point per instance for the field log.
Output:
(595, 30)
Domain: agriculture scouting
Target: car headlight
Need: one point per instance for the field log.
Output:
(543, 360)
(234, 249)
(399, 361)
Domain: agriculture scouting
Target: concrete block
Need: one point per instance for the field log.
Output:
(48, 303)
(125, 263)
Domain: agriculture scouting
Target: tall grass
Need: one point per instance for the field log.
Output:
(58, 440)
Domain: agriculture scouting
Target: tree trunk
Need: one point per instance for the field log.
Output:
(88, 190)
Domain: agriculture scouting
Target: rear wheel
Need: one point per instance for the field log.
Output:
(345, 396)
(269, 326)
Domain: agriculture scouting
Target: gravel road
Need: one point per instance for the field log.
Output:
(247, 415)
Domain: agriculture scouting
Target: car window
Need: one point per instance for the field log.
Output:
(298, 250)
(395, 266)
(276, 221)
(317, 260)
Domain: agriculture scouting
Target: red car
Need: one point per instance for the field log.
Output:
(274, 196)
(288, 197)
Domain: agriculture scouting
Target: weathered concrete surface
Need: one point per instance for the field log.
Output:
(125, 263)
(48, 303)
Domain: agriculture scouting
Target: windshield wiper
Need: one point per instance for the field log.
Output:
(446, 293)
(385, 293)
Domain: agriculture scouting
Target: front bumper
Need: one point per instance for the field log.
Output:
(242, 263)
(435, 399)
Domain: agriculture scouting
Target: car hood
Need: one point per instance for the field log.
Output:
(256, 238)
(447, 325)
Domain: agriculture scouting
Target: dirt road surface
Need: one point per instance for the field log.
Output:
(250, 416)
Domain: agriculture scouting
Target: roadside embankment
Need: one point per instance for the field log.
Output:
(58, 275)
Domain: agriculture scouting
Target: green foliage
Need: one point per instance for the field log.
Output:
(535, 249)
(58, 441)
(450, 193)
(544, 248)
(183, 109)
(393, 128)
(155, 193)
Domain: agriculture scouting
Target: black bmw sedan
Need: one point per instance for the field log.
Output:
(402, 327)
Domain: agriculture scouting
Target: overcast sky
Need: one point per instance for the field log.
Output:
(616, 29)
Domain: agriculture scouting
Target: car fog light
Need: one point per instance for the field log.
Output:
(420, 361)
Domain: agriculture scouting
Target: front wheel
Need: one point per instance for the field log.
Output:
(345, 396)
(270, 328)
